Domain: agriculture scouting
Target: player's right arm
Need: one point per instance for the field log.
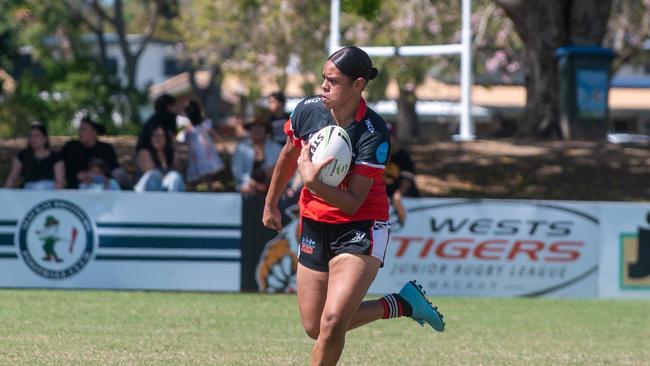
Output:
(284, 170)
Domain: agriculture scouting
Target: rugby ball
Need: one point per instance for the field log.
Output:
(332, 141)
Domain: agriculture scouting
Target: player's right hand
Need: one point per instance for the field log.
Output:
(272, 218)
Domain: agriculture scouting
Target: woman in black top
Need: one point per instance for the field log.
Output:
(37, 166)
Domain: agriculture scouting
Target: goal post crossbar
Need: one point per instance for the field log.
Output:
(464, 49)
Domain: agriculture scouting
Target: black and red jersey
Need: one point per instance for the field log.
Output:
(370, 151)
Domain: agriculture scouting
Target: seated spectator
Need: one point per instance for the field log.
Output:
(97, 178)
(254, 159)
(277, 117)
(165, 112)
(37, 166)
(155, 160)
(399, 176)
(203, 159)
(77, 155)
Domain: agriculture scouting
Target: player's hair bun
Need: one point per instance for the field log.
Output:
(373, 73)
(354, 63)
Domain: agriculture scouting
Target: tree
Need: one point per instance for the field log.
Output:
(419, 22)
(69, 81)
(544, 26)
(628, 29)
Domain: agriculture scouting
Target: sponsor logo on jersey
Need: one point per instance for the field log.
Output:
(371, 128)
(312, 100)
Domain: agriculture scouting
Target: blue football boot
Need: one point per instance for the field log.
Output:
(423, 310)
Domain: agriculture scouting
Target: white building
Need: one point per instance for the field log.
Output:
(156, 64)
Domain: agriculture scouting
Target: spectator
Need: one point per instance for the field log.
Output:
(165, 112)
(155, 160)
(278, 117)
(254, 159)
(97, 178)
(203, 159)
(37, 166)
(399, 176)
(78, 153)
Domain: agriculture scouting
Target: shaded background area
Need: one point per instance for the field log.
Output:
(504, 168)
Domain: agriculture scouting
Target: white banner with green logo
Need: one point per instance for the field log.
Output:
(120, 240)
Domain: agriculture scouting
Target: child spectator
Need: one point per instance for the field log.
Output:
(97, 178)
(37, 166)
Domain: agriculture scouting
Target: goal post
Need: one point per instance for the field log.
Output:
(464, 49)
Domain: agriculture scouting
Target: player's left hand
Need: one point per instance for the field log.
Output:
(309, 170)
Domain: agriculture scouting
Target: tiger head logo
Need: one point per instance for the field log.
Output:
(276, 270)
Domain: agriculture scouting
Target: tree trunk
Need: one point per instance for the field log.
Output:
(544, 26)
(407, 119)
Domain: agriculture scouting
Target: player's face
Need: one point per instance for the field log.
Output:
(337, 88)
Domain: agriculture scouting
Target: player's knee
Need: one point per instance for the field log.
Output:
(312, 327)
(313, 332)
(332, 325)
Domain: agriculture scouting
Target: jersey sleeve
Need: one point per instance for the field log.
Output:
(373, 150)
(289, 131)
(293, 128)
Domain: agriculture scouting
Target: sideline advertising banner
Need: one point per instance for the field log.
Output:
(120, 240)
(625, 250)
(494, 248)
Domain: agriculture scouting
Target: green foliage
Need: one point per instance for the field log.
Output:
(72, 83)
(66, 91)
(368, 9)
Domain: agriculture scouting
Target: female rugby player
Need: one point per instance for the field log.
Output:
(344, 230)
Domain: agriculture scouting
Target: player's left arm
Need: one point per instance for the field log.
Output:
(373, 150)
(347, 200)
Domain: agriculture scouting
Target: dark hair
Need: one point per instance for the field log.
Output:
(169, 148)
(30, 156)
(354, 63)
(279, 96)
(193, 112)
(162, 102)
(99, 128)
(40, 127)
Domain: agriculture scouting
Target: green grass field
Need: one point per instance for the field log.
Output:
(154, 328)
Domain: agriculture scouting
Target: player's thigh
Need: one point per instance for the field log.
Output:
(350, 277)
(312, 292)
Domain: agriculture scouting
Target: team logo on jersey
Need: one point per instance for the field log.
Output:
(307, 245)
(382, 152)
(56, 239)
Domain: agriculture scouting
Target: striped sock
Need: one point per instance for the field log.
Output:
(395, 306)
